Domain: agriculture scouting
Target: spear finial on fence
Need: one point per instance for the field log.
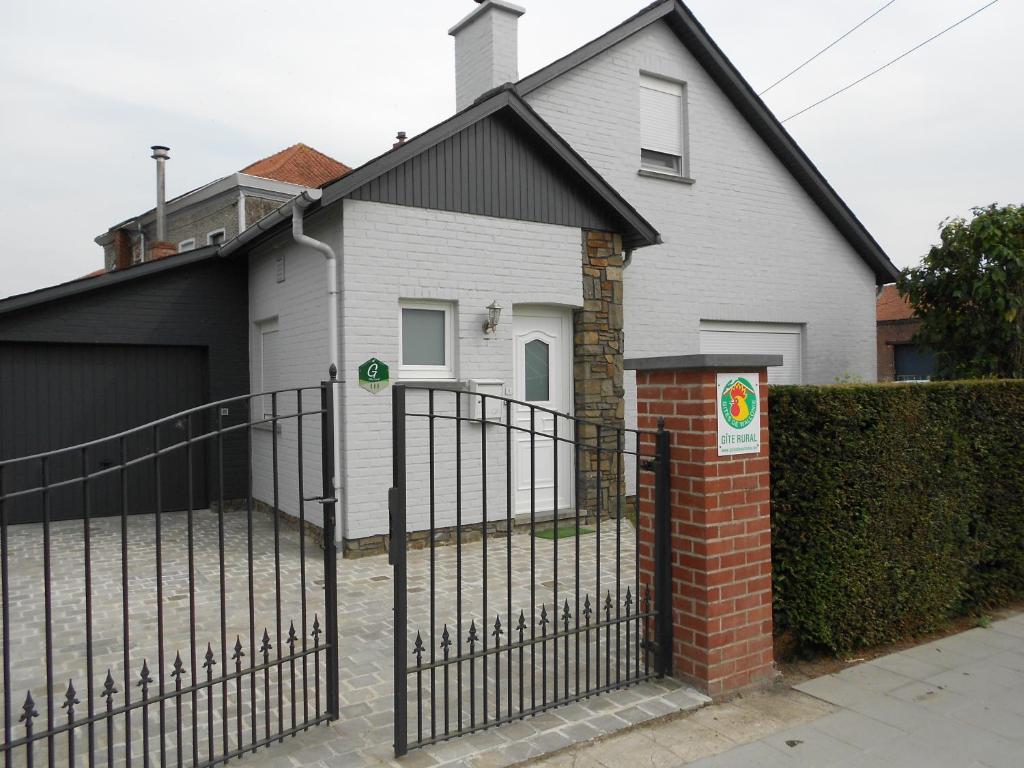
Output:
(179, 667)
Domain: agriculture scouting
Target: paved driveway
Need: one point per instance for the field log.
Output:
(363, 736)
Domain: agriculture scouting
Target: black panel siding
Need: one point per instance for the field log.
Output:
(57, 395)
(201, 306)
(489, 169)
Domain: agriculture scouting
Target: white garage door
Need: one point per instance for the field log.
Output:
(718, 338)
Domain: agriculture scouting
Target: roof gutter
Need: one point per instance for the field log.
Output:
(269, 222)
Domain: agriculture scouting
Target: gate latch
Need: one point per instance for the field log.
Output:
(321, 499)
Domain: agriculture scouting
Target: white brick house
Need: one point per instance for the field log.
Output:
(750, 249)
(489, 207)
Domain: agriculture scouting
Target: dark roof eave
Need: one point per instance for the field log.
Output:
(696, 39)
(87, 284)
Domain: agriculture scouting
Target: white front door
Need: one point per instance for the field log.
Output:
(543, 379)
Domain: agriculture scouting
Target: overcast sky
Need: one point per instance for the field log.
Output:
(88, 86)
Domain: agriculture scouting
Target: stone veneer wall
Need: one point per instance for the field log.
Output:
(597, 372)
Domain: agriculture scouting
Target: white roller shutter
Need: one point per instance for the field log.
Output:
(661, 115)
(718, 338)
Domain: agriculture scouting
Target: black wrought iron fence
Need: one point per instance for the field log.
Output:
(175, 581)
(504, 626)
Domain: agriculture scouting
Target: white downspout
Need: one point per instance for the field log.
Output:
(241, 212)
(299, 206)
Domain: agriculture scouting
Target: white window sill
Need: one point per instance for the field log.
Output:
(666, 176)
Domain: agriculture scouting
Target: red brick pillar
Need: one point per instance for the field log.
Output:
(719, 522)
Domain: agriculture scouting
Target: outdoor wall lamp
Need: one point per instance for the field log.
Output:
(493, 315)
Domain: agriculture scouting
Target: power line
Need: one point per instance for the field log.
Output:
(837, 40)
(890, 63)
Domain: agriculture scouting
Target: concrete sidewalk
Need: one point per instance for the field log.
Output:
(957, 702)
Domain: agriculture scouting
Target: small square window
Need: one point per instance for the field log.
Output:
(187, 245)
(216, 237)
(426, 335)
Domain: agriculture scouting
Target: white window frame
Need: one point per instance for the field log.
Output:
(678, 89)
(187, 245)
(261, 328)
(740, 327)
(444, 372)
(210, 235)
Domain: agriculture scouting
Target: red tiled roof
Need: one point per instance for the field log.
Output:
(298, 164)
(891, 306)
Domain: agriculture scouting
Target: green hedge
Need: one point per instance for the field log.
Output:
(894, 507)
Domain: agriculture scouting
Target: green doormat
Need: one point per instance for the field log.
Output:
(562, 532)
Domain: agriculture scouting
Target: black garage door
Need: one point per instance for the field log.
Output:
(57, 395)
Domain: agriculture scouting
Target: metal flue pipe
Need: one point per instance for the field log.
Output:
(161, 154)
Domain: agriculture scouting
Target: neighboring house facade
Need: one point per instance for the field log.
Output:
(220, 210)
(900, 358)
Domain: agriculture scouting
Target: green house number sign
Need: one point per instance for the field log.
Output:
(374, 376)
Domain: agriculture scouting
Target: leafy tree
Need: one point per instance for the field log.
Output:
(969, 294)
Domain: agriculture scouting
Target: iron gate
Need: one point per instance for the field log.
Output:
(505, 626)
(186, 636)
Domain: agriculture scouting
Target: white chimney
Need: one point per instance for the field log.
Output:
(486, 50)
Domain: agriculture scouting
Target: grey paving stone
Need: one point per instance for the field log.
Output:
(581, 732)
(938, 656)
(866, 760)
(608, 723)
(856, 729)
(754, 755)
(908, 666)
(903, 715)
(688, 740)
(934, 698)
(971, 743)
(835, 690)
(633, 749)
(874, 678)
(991, 717)
(1008, 700)
(809, 746)
(657, 707)
(999, 640)
(634, 715)
(978, 678)
(1011, 659)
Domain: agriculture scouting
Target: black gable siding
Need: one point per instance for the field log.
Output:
(183, 333)
(490, 169)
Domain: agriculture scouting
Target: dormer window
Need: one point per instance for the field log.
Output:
(662, 127)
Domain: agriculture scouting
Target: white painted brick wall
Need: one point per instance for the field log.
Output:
(395, 252)
(300, 304)
(486, 54)
(745, 242)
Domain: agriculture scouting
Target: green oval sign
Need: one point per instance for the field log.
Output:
(739, 403)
